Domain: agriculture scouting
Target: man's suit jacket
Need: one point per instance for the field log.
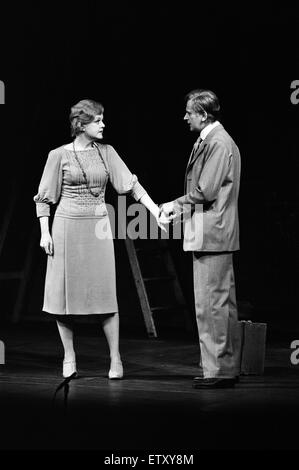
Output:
(212, 182)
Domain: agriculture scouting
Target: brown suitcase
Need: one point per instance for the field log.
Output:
(251, 347)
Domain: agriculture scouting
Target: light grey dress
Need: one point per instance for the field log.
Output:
(80, 277)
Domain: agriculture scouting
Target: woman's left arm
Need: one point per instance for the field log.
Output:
(147, 201)
(125, 182)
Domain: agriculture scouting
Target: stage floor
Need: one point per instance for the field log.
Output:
(153, 408)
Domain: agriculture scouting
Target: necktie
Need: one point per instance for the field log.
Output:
(194, 149)
(197, 144)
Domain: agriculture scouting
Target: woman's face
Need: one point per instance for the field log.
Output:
(94, 130)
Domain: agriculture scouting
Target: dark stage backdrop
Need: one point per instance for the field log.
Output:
(140, 62)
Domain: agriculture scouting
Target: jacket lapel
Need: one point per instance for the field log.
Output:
(200, 148)
(199, 151)
(195, 155)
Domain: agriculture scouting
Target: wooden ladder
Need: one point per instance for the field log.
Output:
(159, 249)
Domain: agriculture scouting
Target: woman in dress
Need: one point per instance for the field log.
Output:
(80, 277)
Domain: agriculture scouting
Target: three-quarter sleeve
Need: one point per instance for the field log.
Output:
(50, 185)
(121, 178)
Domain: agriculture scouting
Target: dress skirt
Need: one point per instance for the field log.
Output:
(80, 278)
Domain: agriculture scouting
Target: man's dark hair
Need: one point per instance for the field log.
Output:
(205, 102)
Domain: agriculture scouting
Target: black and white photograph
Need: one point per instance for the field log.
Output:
(149, 231)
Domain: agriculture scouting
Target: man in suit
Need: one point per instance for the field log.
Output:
(211, 231)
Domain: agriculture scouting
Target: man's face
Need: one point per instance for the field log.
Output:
(196, 121)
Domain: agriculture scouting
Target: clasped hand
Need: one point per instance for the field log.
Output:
(166, 213)
(164, 217)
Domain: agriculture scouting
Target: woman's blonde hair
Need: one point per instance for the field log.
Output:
(82, 113)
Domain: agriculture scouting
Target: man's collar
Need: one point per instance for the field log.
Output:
(208, 129)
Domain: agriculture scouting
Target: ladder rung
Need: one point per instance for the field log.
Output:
(12, 275)
(164, 307)
(159, 278)
(152, 250)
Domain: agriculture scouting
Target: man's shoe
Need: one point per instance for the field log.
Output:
(199, 378)
(214, 382)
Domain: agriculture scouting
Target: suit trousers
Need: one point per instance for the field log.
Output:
(216, 313)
